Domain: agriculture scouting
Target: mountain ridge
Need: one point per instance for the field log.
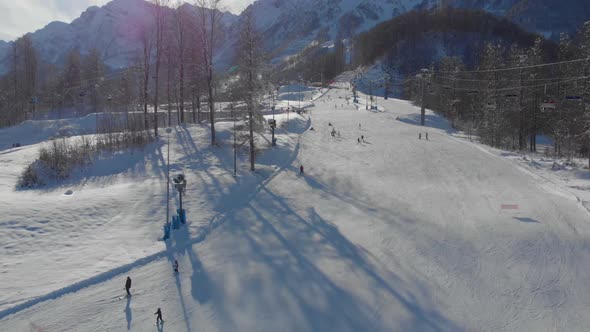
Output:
(287, 27)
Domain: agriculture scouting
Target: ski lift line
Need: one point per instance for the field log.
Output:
(82, 88)
(87, 83)
(504, 80)
(520, 67)
(515, 88)
(109, 76)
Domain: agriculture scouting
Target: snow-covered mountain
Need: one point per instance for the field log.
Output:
(113, 29)
(288, 26)
(291, 25)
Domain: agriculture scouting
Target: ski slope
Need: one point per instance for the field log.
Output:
(391, 234)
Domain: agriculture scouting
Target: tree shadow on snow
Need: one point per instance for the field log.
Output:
(179, 244)
(292, 249)
(432, 121)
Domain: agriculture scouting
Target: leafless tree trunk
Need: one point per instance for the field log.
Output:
(250, 73)
(209, 16)
(147, 52)
(158, 14)
(181, 51)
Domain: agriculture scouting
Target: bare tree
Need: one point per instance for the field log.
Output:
(169, 54)
(250, 59)
(209, 20)
(92, 72)
(144, 34)
(72, 88)
(194, 64)
(180, 28)
(159, 17)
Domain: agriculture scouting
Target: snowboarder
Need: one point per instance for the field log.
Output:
(301, 172)
(159, 316)
(128, 285)
(175, 266)
(420, 136)
(427, 136)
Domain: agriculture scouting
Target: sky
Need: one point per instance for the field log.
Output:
(18, 17)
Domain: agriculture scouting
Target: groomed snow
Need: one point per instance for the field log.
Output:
(391, 234)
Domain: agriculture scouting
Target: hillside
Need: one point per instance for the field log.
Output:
(419, 38)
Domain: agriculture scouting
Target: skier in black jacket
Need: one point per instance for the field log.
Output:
(128, 285)
(159, 316)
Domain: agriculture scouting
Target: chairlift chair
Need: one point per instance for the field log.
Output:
(547, 105)
(573, 98)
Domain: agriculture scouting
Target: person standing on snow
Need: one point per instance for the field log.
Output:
(301, 172)
(175, 266)
(420, 136)
(128, 285)
(159, 316)
(427, 136)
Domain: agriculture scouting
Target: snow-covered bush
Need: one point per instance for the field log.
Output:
(59, 158)
(29, 178)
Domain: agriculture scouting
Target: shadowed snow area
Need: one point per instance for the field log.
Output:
(390, 234)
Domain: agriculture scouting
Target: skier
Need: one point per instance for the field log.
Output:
(363, 138)
(159, 316)
(420, 136)
(175, 266)
(358, 140)
(427, 136)
(359, 126)
(128, 285)
(301, 172)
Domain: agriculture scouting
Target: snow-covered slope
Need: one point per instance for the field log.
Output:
(389, 234)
